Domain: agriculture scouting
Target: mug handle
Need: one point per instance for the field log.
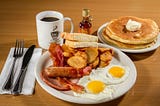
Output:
(72, 26)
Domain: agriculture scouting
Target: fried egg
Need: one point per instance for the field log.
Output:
(112, 74)
(117, 73)
(102, 82)
(95, 89)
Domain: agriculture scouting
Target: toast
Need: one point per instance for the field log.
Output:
(79, 40)
(74, 44)
(79, 37)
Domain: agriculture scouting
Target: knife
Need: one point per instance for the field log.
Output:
(17, 88)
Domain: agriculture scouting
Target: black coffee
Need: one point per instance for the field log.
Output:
(49, 19)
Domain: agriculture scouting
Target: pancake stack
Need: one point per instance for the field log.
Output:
(142, 33)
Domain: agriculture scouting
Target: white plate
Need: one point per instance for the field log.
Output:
(155, 46)
(118, 58)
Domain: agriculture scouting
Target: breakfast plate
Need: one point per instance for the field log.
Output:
(101, 38)
(122, 88)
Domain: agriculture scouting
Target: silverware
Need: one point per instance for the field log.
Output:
(19, 81)
(18, 52)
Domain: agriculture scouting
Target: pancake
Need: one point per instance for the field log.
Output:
(108, 40)
(147, 33)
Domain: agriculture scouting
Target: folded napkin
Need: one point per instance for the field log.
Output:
(29, 81)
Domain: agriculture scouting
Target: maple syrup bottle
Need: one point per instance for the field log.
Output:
(85, 25)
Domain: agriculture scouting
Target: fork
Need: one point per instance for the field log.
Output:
(18, 52)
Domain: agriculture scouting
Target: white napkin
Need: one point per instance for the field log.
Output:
(29, 81)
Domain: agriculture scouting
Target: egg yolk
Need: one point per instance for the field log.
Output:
(95, 86)
(116, 71)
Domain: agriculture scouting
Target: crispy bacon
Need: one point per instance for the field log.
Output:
(59, 75)
(56, 82)
(87, 70)
(75, 87)
(56, 55)
(62, 84)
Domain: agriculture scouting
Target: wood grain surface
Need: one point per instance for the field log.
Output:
(17, 21)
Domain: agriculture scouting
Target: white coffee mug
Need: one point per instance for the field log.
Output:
(49, 26)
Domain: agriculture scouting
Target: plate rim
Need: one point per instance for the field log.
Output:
(143, 50)
(73, 99)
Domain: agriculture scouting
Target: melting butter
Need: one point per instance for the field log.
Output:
(133, 25)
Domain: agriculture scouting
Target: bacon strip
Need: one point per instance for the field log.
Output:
(56, 55)
(56, 83)
(62, 84)
(58, 75)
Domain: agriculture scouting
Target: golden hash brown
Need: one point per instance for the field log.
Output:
(92, 53)
(77, 62)
(103, 64)
(82, 57)
(82, 54)
(106, 56)
(95, 63)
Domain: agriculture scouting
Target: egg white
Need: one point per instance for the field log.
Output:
(102, 74)
(107, 93)
(114, 80)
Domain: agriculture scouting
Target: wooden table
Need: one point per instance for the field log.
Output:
(17, 21)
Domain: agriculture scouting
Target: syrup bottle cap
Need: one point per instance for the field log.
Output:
(85, 12)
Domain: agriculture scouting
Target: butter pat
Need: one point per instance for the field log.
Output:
(133, 25)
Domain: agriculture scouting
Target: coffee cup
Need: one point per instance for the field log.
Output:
(49, 26)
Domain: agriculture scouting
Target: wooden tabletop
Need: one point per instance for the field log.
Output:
(17, 21)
